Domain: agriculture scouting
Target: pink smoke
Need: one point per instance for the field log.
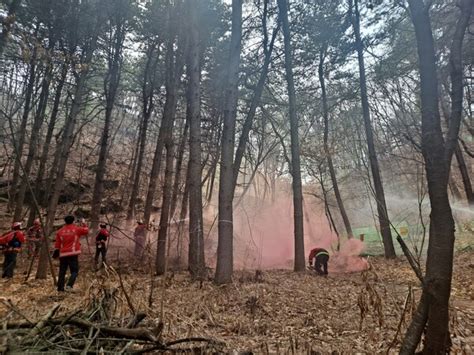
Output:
(264, 237)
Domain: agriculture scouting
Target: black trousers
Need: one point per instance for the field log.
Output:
(9, 264)
(71, 263)
(100, 251)
(321, 264)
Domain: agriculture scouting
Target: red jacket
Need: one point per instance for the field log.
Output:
(68, 239)
(315, 252)
(102, 236)
(35, 232)
(6, 241)
(140, 231)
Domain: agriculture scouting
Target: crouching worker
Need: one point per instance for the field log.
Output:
(100, 244)
(321, 258)
(67, 249)
(11, 243)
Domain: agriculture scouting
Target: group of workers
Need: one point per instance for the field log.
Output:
(67, 248)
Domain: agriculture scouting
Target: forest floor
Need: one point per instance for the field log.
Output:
(276, 312)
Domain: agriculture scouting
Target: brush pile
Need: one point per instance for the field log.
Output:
(98, 326)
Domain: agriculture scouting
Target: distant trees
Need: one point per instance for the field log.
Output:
(373, 160)
(119, 14)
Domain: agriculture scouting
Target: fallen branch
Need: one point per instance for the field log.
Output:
(137, 318)
(125, 333)
(411, 260)
(42, 323)
(402, 318)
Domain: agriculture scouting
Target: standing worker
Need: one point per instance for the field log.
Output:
(140, 236)
(67, 248)
(321, 257)
(11, 243)
(100, 244)
(34, 237)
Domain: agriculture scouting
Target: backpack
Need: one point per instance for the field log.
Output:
(14, 243)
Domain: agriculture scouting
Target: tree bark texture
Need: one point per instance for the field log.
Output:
(22, 130)
(34, 139)
(437, 155)
(148, 89)
(111, 86)
(463, 169)
(48, 139)
(225, 244)
(174, 72)
(327, 151)
(374, 164)
(299, 262)
(196, 262)
(64, 148)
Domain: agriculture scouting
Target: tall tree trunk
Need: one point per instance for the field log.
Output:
(148, 90)
(47, 142)
(299, 262)
(63, 149)
(225, 244)
(178, 168)
(182, 218)
(327, 151)
(437, 155)
(174, 73)
(196, 263)
(175, 63)
(22, 131)
(374, 164)
(7, 23)
(34, 138)
(247, 126)
(111, 85)
(165, 209)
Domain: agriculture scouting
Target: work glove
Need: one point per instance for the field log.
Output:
(56, 254)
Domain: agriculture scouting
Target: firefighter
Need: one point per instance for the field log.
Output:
(11, 244)
(140, 236)
(321, 258)
(34, 236)
(101, 244)
(67, 249)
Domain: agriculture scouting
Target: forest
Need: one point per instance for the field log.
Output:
(254, 176)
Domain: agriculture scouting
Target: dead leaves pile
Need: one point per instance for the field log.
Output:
(277, 311)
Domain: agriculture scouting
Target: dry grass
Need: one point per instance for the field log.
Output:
(278, 312)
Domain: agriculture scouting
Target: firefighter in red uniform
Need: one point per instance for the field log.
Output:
(67, 248)
(11, 245)
(101, 244)
(321, 258)
(34, 236)
(140, 238)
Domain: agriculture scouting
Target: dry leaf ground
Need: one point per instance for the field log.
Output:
(278, 312)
